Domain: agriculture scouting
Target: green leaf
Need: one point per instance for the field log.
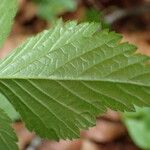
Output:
(93, 15)
(50, 9)
(8, 137)
(8, 108)
(8, 9)
(138, 127)
(60, 80)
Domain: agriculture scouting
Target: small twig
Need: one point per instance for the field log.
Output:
(34, 143)
(121, 13)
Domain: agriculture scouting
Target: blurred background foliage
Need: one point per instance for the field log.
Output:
(50, 9)
(138, 125)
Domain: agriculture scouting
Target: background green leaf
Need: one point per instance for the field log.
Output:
(138, 126)
(49, 9)
(93, 15)
(8, 137)
(8, 9)
(8, 108)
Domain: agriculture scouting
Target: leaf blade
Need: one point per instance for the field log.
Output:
(8, 138)
(73, 74)
(8, 9)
